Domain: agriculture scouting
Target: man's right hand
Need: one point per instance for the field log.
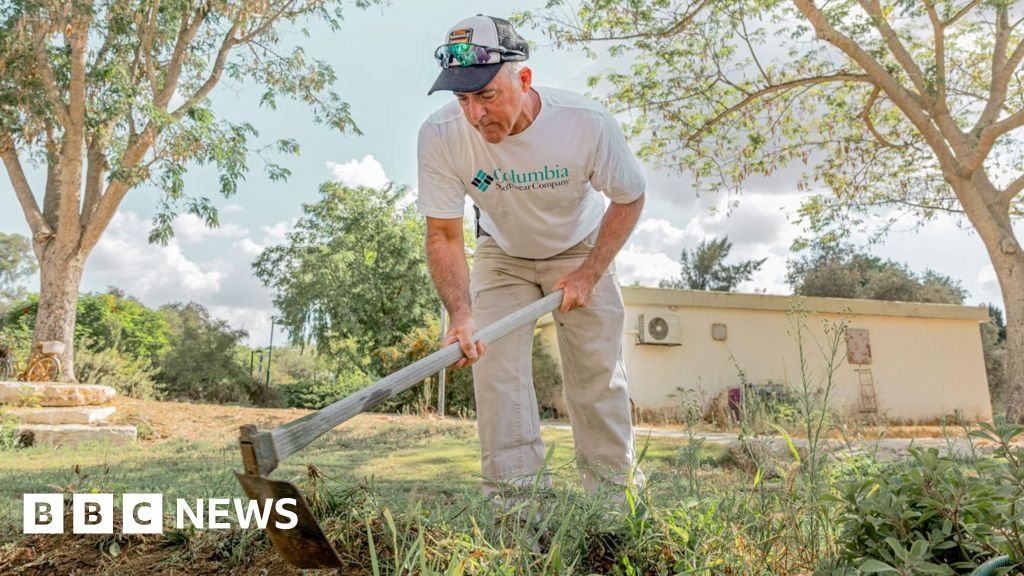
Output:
(462, 332)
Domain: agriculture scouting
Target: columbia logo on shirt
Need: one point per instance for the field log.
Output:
(482, 181)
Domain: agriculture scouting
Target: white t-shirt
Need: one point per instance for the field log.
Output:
(538, 190)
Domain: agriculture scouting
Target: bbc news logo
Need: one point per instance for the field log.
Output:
(144, 513)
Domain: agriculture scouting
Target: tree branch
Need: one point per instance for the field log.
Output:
(753, 96)
(940, 109)
(46, 73)
(874, 10)
(23, 190)
(69, 200)
(95, 173)
(960, 14)
(144, 48)
(866, 116)
(1011, 191)
(671, 30)
(988, 137)
(186, 34)
(753, 53)
(684, 21)
(1000, 78)
(107, 205)
(906, 101)
(214, 77)
(939, 35)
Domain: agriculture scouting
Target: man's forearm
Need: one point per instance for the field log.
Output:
(450, 272)
(616, 226)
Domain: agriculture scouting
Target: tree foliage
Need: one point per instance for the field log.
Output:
(106, 321)
(855, 89)
(896, 108)
(201, 363)
(705, 268)
(840, 271)
(352, 278)
(111, 95)
(993, 336)
(16, 264)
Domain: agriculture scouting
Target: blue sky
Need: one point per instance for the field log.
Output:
(382, 57)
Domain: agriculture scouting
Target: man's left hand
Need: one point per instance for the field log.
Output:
(578, 285)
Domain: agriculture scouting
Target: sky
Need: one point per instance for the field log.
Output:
(384, 65)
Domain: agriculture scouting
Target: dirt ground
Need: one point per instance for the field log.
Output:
(140, 555)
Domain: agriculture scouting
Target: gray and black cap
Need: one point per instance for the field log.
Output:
(491, 41)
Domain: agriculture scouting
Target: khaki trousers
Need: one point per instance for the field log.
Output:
(590, 343)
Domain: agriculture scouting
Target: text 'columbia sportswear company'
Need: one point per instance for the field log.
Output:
(521, 180)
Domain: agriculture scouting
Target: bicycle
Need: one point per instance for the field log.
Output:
(44, 363)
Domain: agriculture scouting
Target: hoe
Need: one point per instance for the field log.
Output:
(305, 545)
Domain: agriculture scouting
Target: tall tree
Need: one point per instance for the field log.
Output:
(352, 276)
(112, 94)
(913, 107)
(16, 264)
(705, 268)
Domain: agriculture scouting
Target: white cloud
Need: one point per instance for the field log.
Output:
(155, 274)
(248, 248)
(277, 233)
(988, 286)
(633, 264)
(757, 225)
(190, 229)
(366, 172)
(221, 279)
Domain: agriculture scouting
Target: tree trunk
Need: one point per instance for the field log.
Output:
(58, 303)
(992, 222)
(1011, 279)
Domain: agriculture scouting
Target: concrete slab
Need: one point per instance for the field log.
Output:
(52, 394)
(63, 415)
(69, 434)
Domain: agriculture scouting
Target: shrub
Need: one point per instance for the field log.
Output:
(201, 363)
(130, 377)
(316, 394)
(936, 514)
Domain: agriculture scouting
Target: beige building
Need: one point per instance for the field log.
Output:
(907, 362)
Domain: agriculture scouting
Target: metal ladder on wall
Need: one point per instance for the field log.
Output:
(868, 399)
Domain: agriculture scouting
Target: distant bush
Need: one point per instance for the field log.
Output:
(201, 363)
(112, 320)
(316, 394)
(130, 377)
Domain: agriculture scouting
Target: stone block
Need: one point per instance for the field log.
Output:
(69, 434)
(62, 415)
(36, 394)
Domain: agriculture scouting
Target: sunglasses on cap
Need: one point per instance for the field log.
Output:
(465, 54)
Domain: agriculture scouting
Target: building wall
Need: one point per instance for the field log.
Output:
(923, 367)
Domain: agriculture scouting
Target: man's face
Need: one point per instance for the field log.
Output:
(497, 108)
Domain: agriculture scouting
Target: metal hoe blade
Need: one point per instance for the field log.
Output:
(304, 545)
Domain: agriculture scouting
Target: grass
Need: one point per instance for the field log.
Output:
(407, 460)
(400, 496)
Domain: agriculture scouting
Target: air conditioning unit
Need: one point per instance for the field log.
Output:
(659, 329)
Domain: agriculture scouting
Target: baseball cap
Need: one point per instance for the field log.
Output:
(473, 52)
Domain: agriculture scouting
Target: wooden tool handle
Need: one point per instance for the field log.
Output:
(270, 448)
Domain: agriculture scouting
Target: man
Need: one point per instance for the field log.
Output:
(535, 161)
